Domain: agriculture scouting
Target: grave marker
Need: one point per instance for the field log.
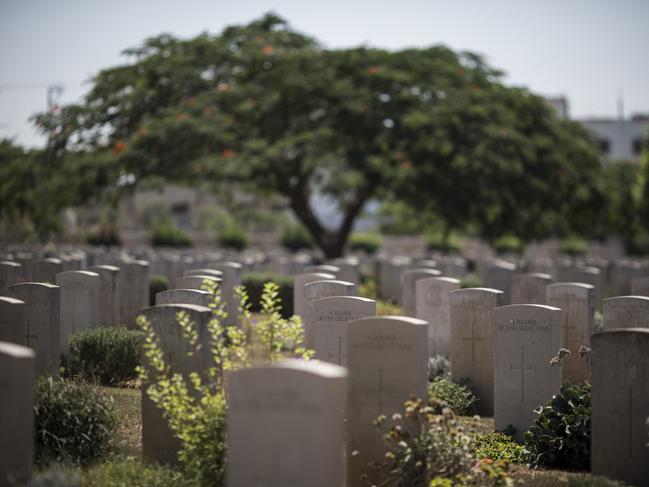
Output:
(299, 281)
(530, 288)
(432, 304)
(184, 296)
(79, 304)
(45, 270)
(232, 278)
(10, 273)
(317, 290)
(12, 320)
(626, 312)
(409, 280)
(134, 290)
(109, 294)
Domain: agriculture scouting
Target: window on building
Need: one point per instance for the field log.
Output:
(637, 145)
(604, 146)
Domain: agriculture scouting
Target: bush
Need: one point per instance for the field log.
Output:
(73, 422)
(435, 242)
(365, 242)
(456, 396)
(295, 238)
(498, 446)
(560, 435)
(368, 288)
(108, 355)
(157, 284)
(166, 234)
(638, 244)
(56, 477)
(104, 235)
(134, 474)
(233, 237)
(472, 280)
(508, 244)
(587, 480)
(254, 284)
(574, 246)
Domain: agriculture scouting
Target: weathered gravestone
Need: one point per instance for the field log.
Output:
(472, 340)
(134, 290)
(204, 272)
(158, 443)
(432, 304)
(530, 288)
(623, 273)
(588, 275)
(640, 286)
(42, 327)
(390, 276)
(299, 281)
(10, 273)
(79, 304)
(409, 280)
(109, 294)
(620, 405)
(527, 337)
(12, 320)
(232, 278)
(577, 304)
(45, 270)
(324, 268)
(349, 269)
(626, 312)
(387, 365)
(317, 290)
(286, 425)
(184, 296)
(499, 275)
(198, 282)
(330, 318)
(16, 413)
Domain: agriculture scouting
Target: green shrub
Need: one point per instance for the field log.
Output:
(638, 244)
(365, 242)
(588, 480)
(560, 435)
(55, 477)
(104, 235)
(498, 446)
(574, 246)
(295, 238)
(233, 237)
(134, 473)
(472, 280)
(73, 422)
(157, 284)
(385, 308)
(508, 244)
(368, 288)
(107, 355)
(435, 242)
(456, 396)
(254, 284)
(166, 234)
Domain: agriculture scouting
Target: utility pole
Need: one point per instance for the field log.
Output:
(52, 92)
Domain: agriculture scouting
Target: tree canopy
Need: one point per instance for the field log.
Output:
(272, 110)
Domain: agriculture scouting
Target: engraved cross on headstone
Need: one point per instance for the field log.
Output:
(522, 367)
(473, 339)
(380, 390)
(29, 336)
(340, 352)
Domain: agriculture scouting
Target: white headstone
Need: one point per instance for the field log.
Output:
(197, 282)
(409, 279)
(10, 273)
(626, 312)
(45, 270)
(432, 304)
(640, 286)
(184, 296)
(499, 275)
(134, 290)
(530, 288)
(79, 304)
(317, 290)
(299, 281)
(12, 320)
(232, 278)
(109, 294)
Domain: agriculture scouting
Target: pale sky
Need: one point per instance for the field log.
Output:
(587, 50)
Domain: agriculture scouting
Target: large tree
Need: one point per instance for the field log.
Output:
(270, 109)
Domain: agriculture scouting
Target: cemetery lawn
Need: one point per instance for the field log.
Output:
(129, 439)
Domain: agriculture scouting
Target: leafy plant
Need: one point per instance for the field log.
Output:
(254, 284)
(108, 355)
(165, 234)
(560, 435)
(73, 422)
(574, 246)
(471, 280)
(508, 244)
(295, 238)
(385, 308)
(438, 242)
(368, 288)
(134, 473)
(498, 446)
(104, 235)
(456, 396)
(234, 237)
(365, 242)
(157, 284)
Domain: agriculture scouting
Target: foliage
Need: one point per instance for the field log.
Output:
(440, 242)
(108, 355)
(385, 308)
(508, 244)
(295, 237)
(73, 422)
(157, 284)
(498, 446)
(234, 237)
(423, 445)
(574, 246)
(588, 480)
(637, 244)
(368, 288)
(439, 366)
(471, 280)
(165, 234)
(254, 283)
(106, 235)
(560, 435)
(365, 242)
(134, 473)
(55, 477)
(456, 396)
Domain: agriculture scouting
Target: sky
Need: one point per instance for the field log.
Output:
(591, 51)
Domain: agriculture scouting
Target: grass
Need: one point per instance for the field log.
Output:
(129, 431)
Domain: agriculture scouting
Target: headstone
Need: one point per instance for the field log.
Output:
(588, 275)
(232, 278)
(79, 308)
(158, 443)
(349, 269)
(408, 283)
(640, 286)
(472, 341)
(109, 294)
(626, 312)
(16, 413)
(204, 272)
(623, 273)
(317, 290)
(299, 281)
(432, 304)
(45, 270)
(12, 320)
(577, 304)
(197, 282)
(184, 296)
(527, 337)
(10, 273)
(330, 318)
(390, 277)
(324, 268)
(620, 405)
(285, 425)
(499, 275)
(530, 288)
(134, 290)
(387, 365)
(42, 328)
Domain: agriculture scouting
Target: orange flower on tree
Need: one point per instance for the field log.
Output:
(229, 153)
(181, 117)
(267, 49)
(119, 147)
(374, 69)
(406, 165)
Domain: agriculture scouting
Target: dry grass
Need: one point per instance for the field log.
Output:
(129, 431)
